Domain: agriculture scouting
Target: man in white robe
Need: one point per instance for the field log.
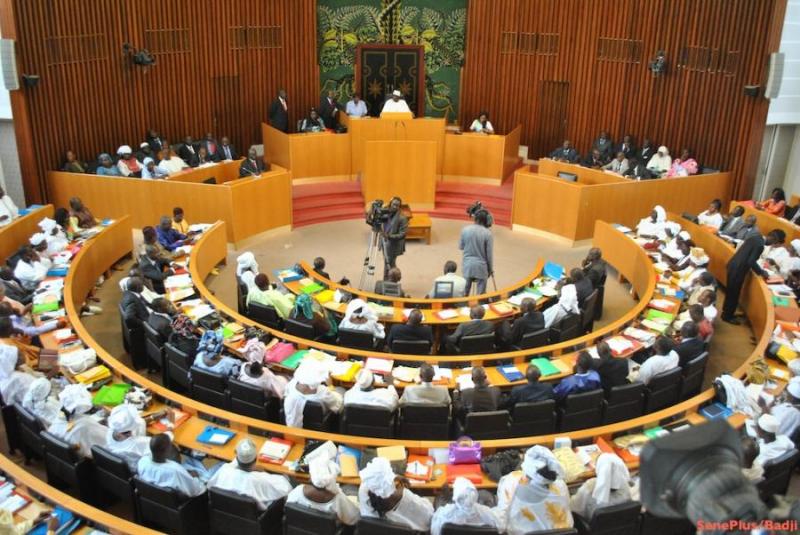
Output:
(78, 428)
(771, 445)
(126, 435)
(788, 411)
(381, 495)
(307, 385)
(465, 509)
(157, 469)
(13, 383)
(322, 473)
(240, 476)
(653, 225)
(610, 486)
(30, 269)
(56, 238)
(664, 359)
(396, 104)
(364, 393)
(566, 306)
(40, 403)
(8, 210)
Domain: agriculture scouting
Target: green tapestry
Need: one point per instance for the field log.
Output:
(438, 25)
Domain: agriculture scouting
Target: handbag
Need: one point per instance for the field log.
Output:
(758, 372)
(76, 362)
(464, 451)
(279, 352)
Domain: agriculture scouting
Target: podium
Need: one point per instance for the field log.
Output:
(406, 169)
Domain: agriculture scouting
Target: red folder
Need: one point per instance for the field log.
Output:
(469, 471)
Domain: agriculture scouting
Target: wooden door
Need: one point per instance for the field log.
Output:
(380, 69)
(552, 127)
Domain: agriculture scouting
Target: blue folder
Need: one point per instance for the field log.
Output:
(210, 430)
(553, 270)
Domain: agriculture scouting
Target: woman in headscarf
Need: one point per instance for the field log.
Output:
(684, 166)
(56, 238)
(465, 509)
(359, 317)
(13, 383)
(567, 305)
(127, 164)
(652, 226)
(323, 493)
(660, 163)
(40, 403)
(78, 428)
(247, 269)
(106, 167)
(673, 236)
(65, 223)
(610, 486)
(307, 385)
(150, 170)
(256, 374)
(309, 311)
(534, 498)
(384, 495)
(210, 358)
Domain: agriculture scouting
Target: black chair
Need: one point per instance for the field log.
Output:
(133, 340)
(589, 311)
(601, 297)
(356, 339)
(662, 390)
(376, 526)
(568, 531)
(317, 417)
(485, 425)
(580, 411)
(459, 529)
(665, 526)
(477, 344)
(208, 387)
(623, 403)
(442, 290)
(367, 421)
(167, 511)
(241, 297)
(30, 434)
(619, 519)
(569, 328)
(300, 329)
(66, 468)
(424, 422)
(250, 400)
(112, 476)
(777, 474)
(264, 314)
(178, 364)
(534, 418)
(11, 425)
(534, 339)
(411, 347)
(236, 514)
(301, 520)
(692, 376)
(154, 347)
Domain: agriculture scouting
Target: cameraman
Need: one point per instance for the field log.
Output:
(477, 260)
(394, 235)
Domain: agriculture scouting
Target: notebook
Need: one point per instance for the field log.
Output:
(447, 314)
(511, 373)
(392, 453)
(378, 365)
(312, 288)
(470, 471)
(215, 436)
(293, 361)
(111, 395)
(275, 450)
(419, 467)
(545, 366)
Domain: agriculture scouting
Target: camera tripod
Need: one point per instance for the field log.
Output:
(374, 247)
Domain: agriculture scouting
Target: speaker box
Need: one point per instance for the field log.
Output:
(774, 75)
(8, 64)
(751, 90)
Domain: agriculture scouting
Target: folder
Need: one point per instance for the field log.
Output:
(293, 361)
(470, 471)
(545, 366)
(215, 436)
(111, 395)
(511, 373)
(275, 450)
(553, 270)
(658, 315)
(312, 288)
(392, 453)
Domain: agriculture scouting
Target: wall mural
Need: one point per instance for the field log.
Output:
(438, 25)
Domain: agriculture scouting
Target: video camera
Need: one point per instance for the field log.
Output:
(377, 214)
(477, 206)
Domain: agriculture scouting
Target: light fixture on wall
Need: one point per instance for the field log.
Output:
(140, 57)
(659, 64)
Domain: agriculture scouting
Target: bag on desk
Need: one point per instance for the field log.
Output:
(758, 372)
(76, 362)
(464, 451)
(279, 352)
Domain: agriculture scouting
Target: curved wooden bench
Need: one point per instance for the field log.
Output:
(19, 231)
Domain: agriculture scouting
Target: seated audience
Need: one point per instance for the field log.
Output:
(412, 329)
(535, 498)
(265, 294)
(664, 358)
(226, 150)
(200, 158)
(475, 326)
(771, 444)
(660, 163)
(254, 373)
(691, 345)
(359, 317)
(154, 268)
(31, 269)
(610, 486)
(750, 469)
(774, 247)
(528, 393)
(391, 285)
(210, 358)
(247, 269)
(145, 151)
(13, 289)
(212, 147)
(565, 153)
(530, 321)
(363, 392)
(8, 210)
(72, 164)
(155, 141)
(652, 226)
(703, 282)
(594, 267)
(161, 317)
(323, 493)
(482, 124)
(426, 392)
(308, 310)
(170, 238)
(187, 150)
(161, 471)
(179, 223)
(106, 167)
(583, 378)
(10, 336)
(583, 286)
(637, 170)
(312, 123)
(705, 328)
(243, 477)
(619, 164)
(566, 306)
(319, 267)
(603, 144)
(307, 385)
(787, 409)
(252, 165)
(647, 151)
(127, 164)
(612, 371)
(627, 147)
(127, 436)
(479, 397)
(40, 403)
(708, 300)
(24, 325)
(711, 216)
(81, 215)
(732, 223)
(170, 163)
(450, 275)
(465, 509)
(356, 107)
(383, 495)
(594, 159)
(684, 166)
(150, 238)
(134, 309)
(14, 377)
(775, 205)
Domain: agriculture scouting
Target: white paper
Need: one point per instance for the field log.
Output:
(178, 281)
(218, 438)
(447, 314)
(442, 373)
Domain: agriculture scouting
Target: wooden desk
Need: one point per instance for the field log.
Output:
(768, 222)
(586, 175)
(406, 169)
(419, 228)
(222, 172)
(473, 157)
(308, 155)
(19, 231)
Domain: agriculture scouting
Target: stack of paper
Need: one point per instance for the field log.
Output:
(178, 281)
(442, 374)
(619, 344)
(517, 299)
(406, 374)
(382, 311)
(199, 312)
(664, 305)
(378, 365)
(275, 450)
(645, 337)
(447, 314)
(392, 453)
(464, 381)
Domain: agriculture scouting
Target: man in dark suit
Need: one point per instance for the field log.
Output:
(155, 141)
(145, 151)
(134, 310)
(646, 152)
(613, 372)
(187, 150)
(691, 345)
(743, 260)
(748, 229)
(13, 288)
(480, 398)
(329, 109)
(626, 147)
(583, 285)
(153, 269)
(279, 112)
(226, 150)
(212, 147)
(394, 236)
(594, 159)
(566, 153)
(529, 393)
(252, 165)
(476, 325)
(530, 321)
(412, 329)
(637, 170)
(733, 223)
(161, 317)
(594, 267)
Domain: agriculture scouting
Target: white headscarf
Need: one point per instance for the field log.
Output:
(663, 150)
(76, 399)
(465, 495)
(38, 239)
(612, 474)
(8, 360)
(378, 477)
(674, 228)
(357, 308)
(538, 457)
(796, 246)
(311, 373)
(700, 260)
(47, 225)
(148, 160)
(768, 423)
(246, 262)
(124, 149)
(569, 299)
(323, 472)
(661, 214)
(123, 418)
(37, 392)
(685, 236)
(364, 379)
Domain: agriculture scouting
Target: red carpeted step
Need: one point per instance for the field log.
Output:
(326, 201)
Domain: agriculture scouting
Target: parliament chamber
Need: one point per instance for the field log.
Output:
(428, 267)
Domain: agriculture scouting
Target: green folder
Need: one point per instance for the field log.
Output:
(312, 288)
(44, 307)
(780, 301)
(111, 395)
(653, 432)
(545, 366)
(293, 361)
(656, 315)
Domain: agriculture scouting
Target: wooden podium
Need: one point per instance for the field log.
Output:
(406, 169)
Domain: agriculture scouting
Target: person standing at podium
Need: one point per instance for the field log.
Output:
(394, 236)
(478, 244)
(396, 104)
(279, 112)
(329, 109)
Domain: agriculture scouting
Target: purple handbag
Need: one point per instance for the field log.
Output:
(464, 451)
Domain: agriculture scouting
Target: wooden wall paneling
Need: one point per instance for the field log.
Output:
(260, 204)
